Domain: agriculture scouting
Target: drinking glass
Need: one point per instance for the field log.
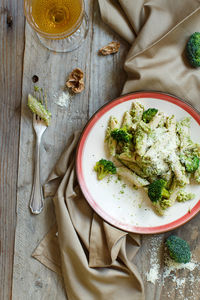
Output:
(61, 25)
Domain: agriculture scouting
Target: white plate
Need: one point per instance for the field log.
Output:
(121, 206)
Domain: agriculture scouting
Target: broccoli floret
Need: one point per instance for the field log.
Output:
(193, 49)
(149, 114)
(184, 196)
(157, 190)
(121, 135)
(191, 163)
(104, 167)
(179, 249)
(158, 194)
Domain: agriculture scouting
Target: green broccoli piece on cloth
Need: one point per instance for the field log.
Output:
(193, 49)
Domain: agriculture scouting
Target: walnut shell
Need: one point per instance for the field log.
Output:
(75, 81)
(111, 48)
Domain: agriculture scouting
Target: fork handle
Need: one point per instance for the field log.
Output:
(37, 200)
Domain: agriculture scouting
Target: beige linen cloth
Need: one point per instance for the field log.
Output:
(95, 259)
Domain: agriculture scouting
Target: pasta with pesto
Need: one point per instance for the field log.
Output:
(156, 153)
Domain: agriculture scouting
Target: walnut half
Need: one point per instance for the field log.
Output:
(111, 48)
(75, 82)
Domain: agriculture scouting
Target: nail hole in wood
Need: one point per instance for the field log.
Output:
(9, 20)
(35, 78)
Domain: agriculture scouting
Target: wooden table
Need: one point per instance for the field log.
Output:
(104, 81)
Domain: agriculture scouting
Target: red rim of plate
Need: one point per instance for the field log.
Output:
(121, 225)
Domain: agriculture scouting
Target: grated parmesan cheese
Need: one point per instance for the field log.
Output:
(158, 272)
(155, 246)
(152, 276)
(63, 99)
(171, 265)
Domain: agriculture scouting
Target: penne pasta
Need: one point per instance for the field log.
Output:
(132, 177)
(113, 124)
(127, 121)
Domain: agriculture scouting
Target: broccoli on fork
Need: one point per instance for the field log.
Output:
(104, 167)
(158, 195)
(39, 109)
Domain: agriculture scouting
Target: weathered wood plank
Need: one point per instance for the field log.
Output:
(177, 284)
(31, 280)
(11, 53)
(104, 81)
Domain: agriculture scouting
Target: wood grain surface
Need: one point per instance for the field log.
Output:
(104, 79)
(11, 54)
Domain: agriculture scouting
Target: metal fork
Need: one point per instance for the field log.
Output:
(37, 199)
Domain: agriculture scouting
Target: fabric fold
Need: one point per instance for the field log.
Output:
(117, 19)
(90, 257)
(160, 19)
(48, 252)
